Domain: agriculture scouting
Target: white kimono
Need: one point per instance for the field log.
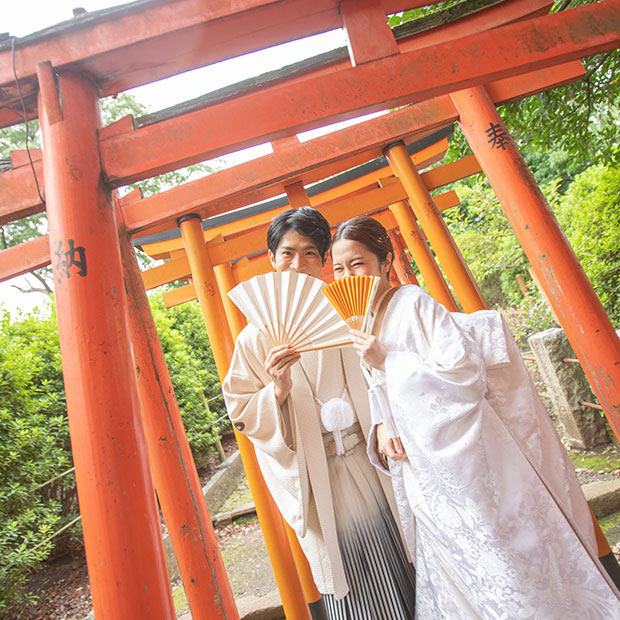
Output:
(501, 528)
(290, 445)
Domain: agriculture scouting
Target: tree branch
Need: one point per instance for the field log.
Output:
(45, 289)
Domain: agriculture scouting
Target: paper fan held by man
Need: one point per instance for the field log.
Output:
(301, 311)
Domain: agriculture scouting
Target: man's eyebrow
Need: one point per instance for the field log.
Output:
(305, 247)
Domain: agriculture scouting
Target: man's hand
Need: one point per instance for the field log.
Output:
(389, 446)
(369, 348)
(278, 366)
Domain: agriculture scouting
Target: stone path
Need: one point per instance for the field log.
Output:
(249, 569)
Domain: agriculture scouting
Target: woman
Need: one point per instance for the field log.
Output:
(502, 529)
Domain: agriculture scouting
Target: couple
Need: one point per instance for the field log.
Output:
(487, 500)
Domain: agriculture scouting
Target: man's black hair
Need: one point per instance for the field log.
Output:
(307, 222)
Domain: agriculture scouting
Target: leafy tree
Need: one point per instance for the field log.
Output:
(483, 234)
(582, 119)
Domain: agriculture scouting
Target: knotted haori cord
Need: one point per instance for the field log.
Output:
(336, 413)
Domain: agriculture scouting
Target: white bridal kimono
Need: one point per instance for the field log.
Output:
(337, 504)
(488, 497)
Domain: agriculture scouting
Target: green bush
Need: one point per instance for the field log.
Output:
(34, 448)
(488, 245)
(589, 214)
(35, 444)
(186, 348)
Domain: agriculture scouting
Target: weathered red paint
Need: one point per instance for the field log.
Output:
(401, 262)
(176, 480)
(18, 190)
(435, 230)
(319, 158)
(130, 46)
(389, 82)
(122, 535)
(24, 258)
(369, 36)
(421, 254)
(283, 564)
(576, 305)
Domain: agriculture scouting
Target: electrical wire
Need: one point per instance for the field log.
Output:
(21, 99)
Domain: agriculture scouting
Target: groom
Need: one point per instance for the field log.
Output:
(273, 400)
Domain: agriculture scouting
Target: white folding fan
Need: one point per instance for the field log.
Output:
(289, 308)
(352, 297)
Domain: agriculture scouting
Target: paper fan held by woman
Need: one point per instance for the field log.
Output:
(330, 494)
(353, 297)
(502, 529)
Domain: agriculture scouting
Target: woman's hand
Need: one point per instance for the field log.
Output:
(278, 366)
(389, 446)
(369, 349)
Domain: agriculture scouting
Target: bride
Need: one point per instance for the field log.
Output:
(488, 498)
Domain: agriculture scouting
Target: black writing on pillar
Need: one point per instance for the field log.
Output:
(73, 257)
(498, 138)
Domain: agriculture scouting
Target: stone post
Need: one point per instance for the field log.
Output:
(568, 387)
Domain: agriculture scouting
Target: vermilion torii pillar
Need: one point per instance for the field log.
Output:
(178, 487)
(421, 255)
(401, 262)
(574, 301)
(435, 228)
(282, 560)
(122, 536)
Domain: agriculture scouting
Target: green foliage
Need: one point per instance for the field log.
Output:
(35, 444)
(589, 214)
(487, 243)
(413, 14)
(34, 447)
(582, 118)
(192, 370)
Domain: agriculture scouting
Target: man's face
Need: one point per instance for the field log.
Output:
(297, 253)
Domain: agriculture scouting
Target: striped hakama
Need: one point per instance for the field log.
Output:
(381, 580)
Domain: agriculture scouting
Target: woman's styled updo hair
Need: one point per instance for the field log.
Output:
(369, 232)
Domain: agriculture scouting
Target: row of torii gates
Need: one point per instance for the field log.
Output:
(125, 425)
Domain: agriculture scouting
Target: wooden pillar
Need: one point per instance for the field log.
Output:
(226, 282)
(176, 480)
(206, 286)
(575, 303)
(297, 196)
(237, 322)
(272, 525)
(436, 285)
(401, 262)
(435, 228)
(120, 521)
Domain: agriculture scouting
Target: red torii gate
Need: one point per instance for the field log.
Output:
(124, 47)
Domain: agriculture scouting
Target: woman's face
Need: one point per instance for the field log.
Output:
(352, 258)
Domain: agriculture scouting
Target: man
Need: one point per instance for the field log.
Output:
(336, 504)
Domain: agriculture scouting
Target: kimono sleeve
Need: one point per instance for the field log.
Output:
(250, 399)
(434, 373)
